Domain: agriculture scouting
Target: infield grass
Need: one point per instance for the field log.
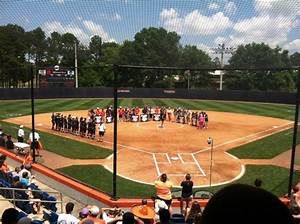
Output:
(275, 180)
(266, 148)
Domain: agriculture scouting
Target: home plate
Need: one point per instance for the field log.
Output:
(39, 124)
(174, 158)
(275, 126)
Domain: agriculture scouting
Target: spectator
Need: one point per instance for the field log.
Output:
(24, 220)
(2, 140)
(9, 143)
(16, 172)
(164, 216)
(163, 189)
(25, 179)
(193, 212)
(186, 193)
(257, 182)
(27, 161)
(3, 166)
(10, 216)
(144, 212)
(83, 213)
(93, 216)
(21, 134)
(111, 215)
(68, 218)
(239, 203)
(25, 169)
(129, 218)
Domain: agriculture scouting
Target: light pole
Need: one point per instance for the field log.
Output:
(210, 142)
(221, 49)
(75, 62)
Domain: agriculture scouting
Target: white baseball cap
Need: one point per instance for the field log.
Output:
(94, 210)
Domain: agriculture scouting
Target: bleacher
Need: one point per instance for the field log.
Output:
(19, 198)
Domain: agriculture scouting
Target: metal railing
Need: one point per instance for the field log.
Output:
(13, 200)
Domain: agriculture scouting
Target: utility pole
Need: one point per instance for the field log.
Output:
(76, 70)
(221, 49)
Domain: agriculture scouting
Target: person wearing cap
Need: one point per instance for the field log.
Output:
(93, 216)
(144, 212)
(21, 134)
(68, 218)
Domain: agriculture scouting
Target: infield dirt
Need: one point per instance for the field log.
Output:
(145, 150)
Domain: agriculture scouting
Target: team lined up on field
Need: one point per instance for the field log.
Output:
(87, 126)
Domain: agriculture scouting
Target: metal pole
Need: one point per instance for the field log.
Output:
(33, 145)
(115, 148)
(294, 136)
(76, 69)
(222, 64)
(211, 142)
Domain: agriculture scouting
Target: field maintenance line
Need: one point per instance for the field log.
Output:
(168, 158)
(129, 147)
(198, 165)
(156, 164)
(248, 136)
(180, 158)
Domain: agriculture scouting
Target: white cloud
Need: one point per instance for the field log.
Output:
(278, 7)
(194, 23)
(230, 8)
(213, 5)
(97, 29)
(272, 24)
(83, 35)
(168, 14)
(293, 46)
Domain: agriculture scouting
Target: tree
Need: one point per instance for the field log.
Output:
(12, 54)
(191, 56)
(295, 59)
(37, 44)
(260, 55)
(95, 47)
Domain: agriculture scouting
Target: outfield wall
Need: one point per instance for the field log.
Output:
(229, 95)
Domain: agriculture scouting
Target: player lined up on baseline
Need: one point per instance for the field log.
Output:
(85, 127)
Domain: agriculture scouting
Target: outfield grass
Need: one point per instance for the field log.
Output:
(267, 147)
(275, 180)
(62, 146)
(22, 107)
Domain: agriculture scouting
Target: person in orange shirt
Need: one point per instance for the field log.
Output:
(163, 190)
(3, 166)
(93, 213)
(27, 161)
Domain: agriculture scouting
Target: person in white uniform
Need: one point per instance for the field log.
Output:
(21, 134)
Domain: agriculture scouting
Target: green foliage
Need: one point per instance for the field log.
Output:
(150, 46)
(260, 55)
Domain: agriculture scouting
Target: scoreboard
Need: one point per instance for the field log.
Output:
(56, 77)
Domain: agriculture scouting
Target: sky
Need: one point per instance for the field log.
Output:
(204, 23)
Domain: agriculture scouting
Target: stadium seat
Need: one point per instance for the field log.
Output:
(177, 218)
